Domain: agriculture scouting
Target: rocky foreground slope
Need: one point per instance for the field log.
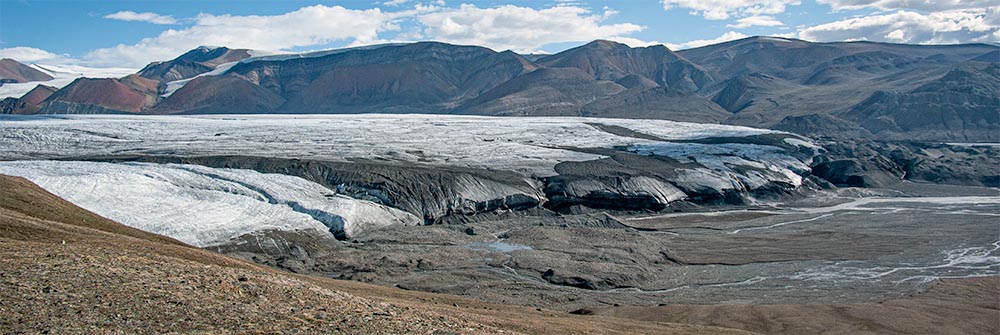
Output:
(962, 306)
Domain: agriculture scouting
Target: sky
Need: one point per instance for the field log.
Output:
(132, 34)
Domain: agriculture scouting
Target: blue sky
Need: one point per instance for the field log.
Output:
(131, 34)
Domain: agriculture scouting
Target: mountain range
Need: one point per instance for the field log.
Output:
(842, 89)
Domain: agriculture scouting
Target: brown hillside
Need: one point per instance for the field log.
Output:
(38, 94)
(16, 72)
(129, 94)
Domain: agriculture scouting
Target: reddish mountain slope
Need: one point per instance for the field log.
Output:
(12, 71)
(419, 77)
(38, 94)
(27, 104)
(129, 94)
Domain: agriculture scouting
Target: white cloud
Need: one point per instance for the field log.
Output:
(33, 55)
(634, 42)
(149, 17)
(395, 2)
(724, 9)
(920, 5)
(754, 21)
(896, 35)
(957, 26)
(728, 36)
(307, 26)
(521, 29)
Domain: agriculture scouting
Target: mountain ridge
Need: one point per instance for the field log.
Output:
(756, 81)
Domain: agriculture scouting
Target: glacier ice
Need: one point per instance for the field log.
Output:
(204, 206)
(531, 146)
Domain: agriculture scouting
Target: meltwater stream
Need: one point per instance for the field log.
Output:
(956, 263)
(921, 239)
(963, 241)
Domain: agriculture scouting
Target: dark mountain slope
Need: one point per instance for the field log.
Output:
(763, 80)
(657, 103)
(746, 90)
(547, 91)
(962, 106)
(818, 125)
(606, 60)
(220, 95)
(798, 60)
(989, 57)
(589, 80)
(17, 106)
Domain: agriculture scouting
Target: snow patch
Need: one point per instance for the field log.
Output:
(263, 56)
(175, 85)
(775, 39)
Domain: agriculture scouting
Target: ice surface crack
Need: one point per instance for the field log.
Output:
(334, 222)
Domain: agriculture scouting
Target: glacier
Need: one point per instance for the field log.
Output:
(204, 206)
(531, 146)
(434, 166)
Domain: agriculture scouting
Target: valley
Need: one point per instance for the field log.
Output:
(557, 213)
(759, 185)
